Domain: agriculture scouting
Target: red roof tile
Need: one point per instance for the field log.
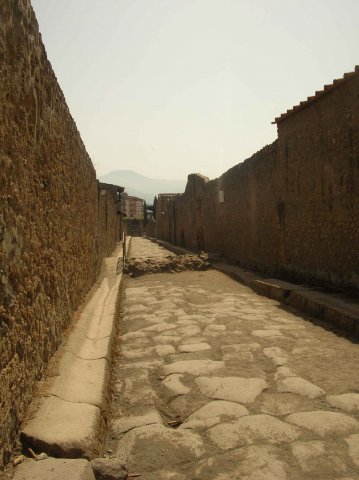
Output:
(327, 89)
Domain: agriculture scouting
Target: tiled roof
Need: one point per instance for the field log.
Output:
(327, 89)
(168, 194)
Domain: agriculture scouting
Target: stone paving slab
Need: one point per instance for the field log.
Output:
(54, 469)
(273, 397)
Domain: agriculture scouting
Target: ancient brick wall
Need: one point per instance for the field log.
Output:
(292, 209)
(50, 247)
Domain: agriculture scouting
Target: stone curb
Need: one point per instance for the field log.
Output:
(337, 310)
(70, 420)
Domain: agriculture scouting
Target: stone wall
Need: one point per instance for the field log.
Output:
(292, 209)
(109, 218)
(50, 212)
(318, 156)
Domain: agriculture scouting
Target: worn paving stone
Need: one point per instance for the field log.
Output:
(135, 354)
(251, 463)
(252, 429)
(174, 384)
(109, 469)
(353, 444)
(348, 402)
(300, 386)
(277, 355)
(315, 456)
(240, 356)
(283, 404)
(240, 347)
(255, 428)
(267, 333)
(165, 475)
(194, 347)
(284, 372)
(124, 424)
(164, 350)
(234, 389)
(167, 339)
(193, 367)
(325, 423)
(214, 412)
(153, 447)
(158, 327)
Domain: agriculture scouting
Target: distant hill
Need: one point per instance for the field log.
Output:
(141, 186)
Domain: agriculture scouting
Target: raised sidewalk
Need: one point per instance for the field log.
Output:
(70, 417)
(336, 309)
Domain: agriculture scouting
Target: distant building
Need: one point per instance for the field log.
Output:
(132, 206)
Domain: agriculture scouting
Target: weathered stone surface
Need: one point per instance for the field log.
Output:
(267, 333)
(165, 475)
(108, 469)
(194, 347)
(251, 463)
(283, 404)
(234, 389)
(315, 456)
(347, 401)
(284, 372)
(167, 339)
(65, 429)
(174, 385)
(54, 469)
(272, 352)
(240, 347)
(262, 447)
(353, 444)
(300, 386)
(324, 423)
(306, 452)
(193, 367)
(82, 381)
(172, 447)
(164, 350)
(215, 328)
(252, 429)
(213, 413)
(124, 424)
(277, 355)
(158, 327)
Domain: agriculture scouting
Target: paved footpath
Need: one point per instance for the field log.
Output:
(215, 382)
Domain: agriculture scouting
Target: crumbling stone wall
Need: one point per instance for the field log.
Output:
(292, 209)
(50, 247)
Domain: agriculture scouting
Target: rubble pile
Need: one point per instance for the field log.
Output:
(136, 267)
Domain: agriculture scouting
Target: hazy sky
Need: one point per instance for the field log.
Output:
(169, 87)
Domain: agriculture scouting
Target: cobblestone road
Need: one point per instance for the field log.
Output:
(215, 382)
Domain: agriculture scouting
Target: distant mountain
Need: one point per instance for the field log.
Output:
(141, 186)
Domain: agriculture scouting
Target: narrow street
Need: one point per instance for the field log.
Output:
(214, 382)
